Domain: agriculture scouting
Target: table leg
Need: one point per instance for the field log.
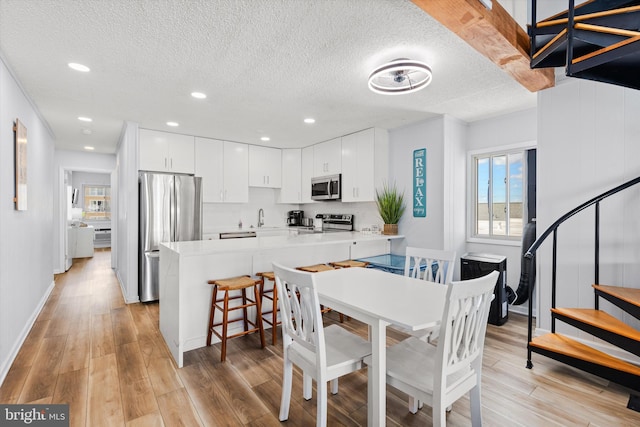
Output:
(377, 385)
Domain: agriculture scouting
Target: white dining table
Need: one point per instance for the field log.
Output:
(379, 299)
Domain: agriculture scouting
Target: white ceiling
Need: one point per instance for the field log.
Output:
(264, 64)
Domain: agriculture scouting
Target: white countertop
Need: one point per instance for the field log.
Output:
(232, 229)
(202, 247)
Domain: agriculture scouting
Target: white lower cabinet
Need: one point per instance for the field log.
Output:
(367, 249)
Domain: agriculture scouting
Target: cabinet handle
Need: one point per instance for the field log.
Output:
(172, 163)
(165, 162)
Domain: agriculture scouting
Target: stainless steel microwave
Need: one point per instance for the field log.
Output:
(326, 187)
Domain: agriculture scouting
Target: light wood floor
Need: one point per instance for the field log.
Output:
(109, 362)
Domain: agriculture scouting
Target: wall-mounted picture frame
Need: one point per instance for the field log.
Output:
(20, 137)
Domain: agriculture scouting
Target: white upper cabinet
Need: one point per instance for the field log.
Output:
(291, 190)
(327, 158)
(307, 173)
(209, 166)
(165, 152)
(224, 168)
(364, 164)
(236, 172)
(265, 167)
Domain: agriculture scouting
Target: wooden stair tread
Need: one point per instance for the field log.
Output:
(566, 346)
(587, 16)
(600, 319)
(630, 295)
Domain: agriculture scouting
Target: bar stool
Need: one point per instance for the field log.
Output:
(349, 263)
(240, 283)
(271, 294)
(317, 268)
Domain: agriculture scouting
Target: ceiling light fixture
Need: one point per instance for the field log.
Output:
(173, 124)
(198, 95)
(88, 147)
(309, 121)
(400, 76)
(85, 119)
(78, 67)
(265, 138)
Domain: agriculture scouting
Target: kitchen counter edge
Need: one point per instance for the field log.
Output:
(204, 247)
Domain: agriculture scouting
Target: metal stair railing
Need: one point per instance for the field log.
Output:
(553, 229)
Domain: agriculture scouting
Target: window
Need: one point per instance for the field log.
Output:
(97, 201)
(499, 203)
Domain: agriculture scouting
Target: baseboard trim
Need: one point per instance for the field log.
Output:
(6, 365)
(127, 299)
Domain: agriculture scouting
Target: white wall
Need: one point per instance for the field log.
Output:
(71, 161)
(126, 216)
(26, 276)
(443, 227)
(588, 144)
(509, 129)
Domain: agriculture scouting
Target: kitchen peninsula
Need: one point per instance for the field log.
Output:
(185, 268)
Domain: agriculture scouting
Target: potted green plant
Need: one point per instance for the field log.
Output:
(390, 202)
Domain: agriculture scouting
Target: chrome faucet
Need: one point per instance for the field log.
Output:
(260, 217)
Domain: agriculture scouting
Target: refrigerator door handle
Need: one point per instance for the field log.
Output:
(172, 210)
(176, 223)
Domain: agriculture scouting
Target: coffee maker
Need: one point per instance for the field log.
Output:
(294, 218)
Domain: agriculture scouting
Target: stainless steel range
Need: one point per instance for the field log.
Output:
(336, 222)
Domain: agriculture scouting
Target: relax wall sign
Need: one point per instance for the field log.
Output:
(420, 183)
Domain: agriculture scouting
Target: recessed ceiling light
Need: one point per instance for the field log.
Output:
(265, 138)
(309, 120)
(79, 67)
(172, 124)
(85, 119)
(198, 95)
(88, 147)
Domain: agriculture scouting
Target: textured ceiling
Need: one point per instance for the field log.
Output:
(264, 64)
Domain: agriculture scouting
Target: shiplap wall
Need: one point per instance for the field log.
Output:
(588, 143)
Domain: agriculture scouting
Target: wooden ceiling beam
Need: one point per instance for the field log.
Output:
(495, 34)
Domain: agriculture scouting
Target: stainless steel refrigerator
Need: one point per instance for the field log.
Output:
(170, 210)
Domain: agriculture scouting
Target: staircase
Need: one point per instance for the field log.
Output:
(596, 40)
(591, 320)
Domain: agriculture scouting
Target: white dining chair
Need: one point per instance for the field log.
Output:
(323, 354)
(440, 375)
(439, 266)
